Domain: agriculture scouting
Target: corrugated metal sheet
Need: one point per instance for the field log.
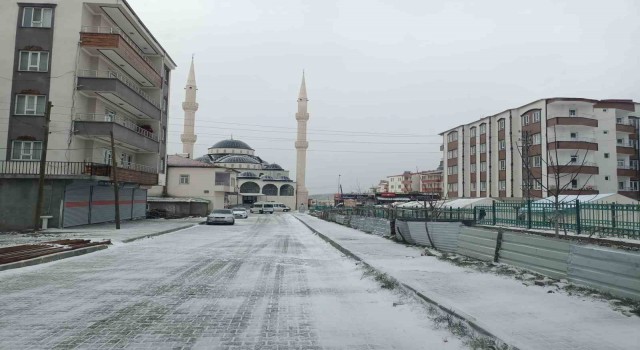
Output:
(402, 229)
(126, 203)
(477, 243)
(419, 233)
(139, 203)
(382, 228)
(613, 271)
(445, 235)
(547, 256)
(102, 204)
(76, 206)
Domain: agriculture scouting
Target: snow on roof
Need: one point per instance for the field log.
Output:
(176, 200)
(468, 202)
(179, 161)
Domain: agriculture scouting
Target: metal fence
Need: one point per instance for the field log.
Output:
(621, 220)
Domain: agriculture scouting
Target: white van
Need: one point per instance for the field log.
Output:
(262, 208)
(280, 207)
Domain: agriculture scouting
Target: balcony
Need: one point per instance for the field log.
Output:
(626, 147)
(126, 133)
(584, 143)
(114, 44)
(574, 121)
(574, 168)
(116, 88)
(587, 189)
(626, 127)
(134, 173)
(627, 170)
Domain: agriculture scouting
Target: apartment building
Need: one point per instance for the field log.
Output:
(402, 183)
(104, 73)
(592, 146)
(429, 181)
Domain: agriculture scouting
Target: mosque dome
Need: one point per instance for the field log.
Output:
(235, 144)
(273, 166)
(237, 159)
(248, 174)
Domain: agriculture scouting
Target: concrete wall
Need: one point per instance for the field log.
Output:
(18, 199)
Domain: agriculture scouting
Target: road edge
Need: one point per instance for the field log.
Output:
(133, 239)
(407, 288)
(52, 257)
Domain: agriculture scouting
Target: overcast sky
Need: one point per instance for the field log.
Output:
(383, 77)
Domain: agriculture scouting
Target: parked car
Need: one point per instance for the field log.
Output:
(262, 208)
(280, 207)
(240, 212)
(221, 216)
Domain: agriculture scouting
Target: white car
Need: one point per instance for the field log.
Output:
(240, 213)
(221, 216)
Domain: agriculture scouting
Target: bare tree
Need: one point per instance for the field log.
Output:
(562, 175)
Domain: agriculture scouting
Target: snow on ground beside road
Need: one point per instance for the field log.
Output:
(266, 282)
(527, 317)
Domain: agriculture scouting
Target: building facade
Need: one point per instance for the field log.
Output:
(103, 72)
(566, 145)
(427, 182)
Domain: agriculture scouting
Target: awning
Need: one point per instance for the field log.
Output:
(393, 199)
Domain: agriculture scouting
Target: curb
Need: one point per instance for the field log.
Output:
(407, 288)
(129, 240)
(52, 257)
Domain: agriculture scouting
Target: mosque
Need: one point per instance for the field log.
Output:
(250, 178)
(257, 179)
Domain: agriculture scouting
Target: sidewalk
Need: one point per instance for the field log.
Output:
(129, 231)
(525, 317)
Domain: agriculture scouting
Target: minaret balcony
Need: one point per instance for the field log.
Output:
(126, 133)
(116, 88)
(121, 50)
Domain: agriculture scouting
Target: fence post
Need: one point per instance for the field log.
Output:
(529, 214)
(475, 216)
(578, 225)
(493, 212)
(613, 215)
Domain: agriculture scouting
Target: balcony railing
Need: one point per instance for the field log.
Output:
(627, 166)
(56, 168)
(127, 123)
(112, 30)
(88, 73)
(626, 143)
(572, 139)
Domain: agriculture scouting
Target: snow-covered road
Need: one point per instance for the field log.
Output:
(265, 283)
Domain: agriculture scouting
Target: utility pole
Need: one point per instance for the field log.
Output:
(43, 163)
(116, 188)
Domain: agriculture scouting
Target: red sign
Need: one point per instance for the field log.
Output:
(387, 194)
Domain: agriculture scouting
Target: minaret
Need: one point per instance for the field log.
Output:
(301, 147)
(190, 106)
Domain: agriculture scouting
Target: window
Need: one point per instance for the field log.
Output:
(619, 121)
(472, 149)
(30, 104)
(634, 185)
(33, 61)
(574, 183)
(483, 186)
(483, 148)
(606, 132)
(483, 166)
(620, 141)
(125, 160)
(452, 154)
(536, 116)
(606, 155)
(37, 17)
(537, 185)
(573, 135)
(483, 129)
(473, 168)
(474, 187)
(502, 144)
(452, 170)
(621, 185)
(184, 179)
(572, 112)
(472, 131)
(606, 178)
(502, 185)
(109, 115)
(501, 124)
(634, 164)
(536, 161)
(26, 150)
(452, 136)
(503, 164)
(525, 119)
(536, 139)
(574, 158)
(621, 163)
(106, 156)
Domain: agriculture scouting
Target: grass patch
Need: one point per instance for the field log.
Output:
(386, 282)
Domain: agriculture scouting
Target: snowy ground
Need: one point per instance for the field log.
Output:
(98, 232)
(266, 283)
(528, 317)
